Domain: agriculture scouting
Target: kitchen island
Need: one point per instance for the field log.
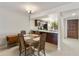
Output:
(52, 36)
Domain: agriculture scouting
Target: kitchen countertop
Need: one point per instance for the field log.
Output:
(48, 31)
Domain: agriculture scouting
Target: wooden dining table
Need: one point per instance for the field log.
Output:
(31, 39)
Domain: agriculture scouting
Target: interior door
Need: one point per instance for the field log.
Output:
(72, 28)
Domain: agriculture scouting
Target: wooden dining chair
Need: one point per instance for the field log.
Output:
(40, 46)
(23, 32)
(23, 46)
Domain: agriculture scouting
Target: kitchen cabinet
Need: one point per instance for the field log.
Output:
(50, 38)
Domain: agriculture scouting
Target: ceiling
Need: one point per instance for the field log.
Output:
(41, 6)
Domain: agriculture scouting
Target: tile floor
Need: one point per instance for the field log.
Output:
(14, 50)
(51, 50)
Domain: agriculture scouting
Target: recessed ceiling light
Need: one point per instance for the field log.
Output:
(73, 14)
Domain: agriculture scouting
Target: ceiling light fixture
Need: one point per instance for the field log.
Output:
(30, 7)
(73, 14)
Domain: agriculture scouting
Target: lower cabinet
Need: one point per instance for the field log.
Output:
(51, 37)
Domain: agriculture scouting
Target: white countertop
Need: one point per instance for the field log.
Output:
(49, 31)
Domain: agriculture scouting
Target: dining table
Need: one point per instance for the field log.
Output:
(31, 39)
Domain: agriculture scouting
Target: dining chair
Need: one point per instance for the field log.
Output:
(23, 32)
(23, 46)
(40, 46)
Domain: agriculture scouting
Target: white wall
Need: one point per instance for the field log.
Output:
(11, 22)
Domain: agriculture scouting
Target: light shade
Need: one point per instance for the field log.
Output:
(30, 7)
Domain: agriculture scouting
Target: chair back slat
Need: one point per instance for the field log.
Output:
(42, 41)
(21, 41)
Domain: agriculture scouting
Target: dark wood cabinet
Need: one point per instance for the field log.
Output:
(72, 28)
(51, 37)
(36, 23)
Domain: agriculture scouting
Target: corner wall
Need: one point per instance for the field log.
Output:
(11, 22)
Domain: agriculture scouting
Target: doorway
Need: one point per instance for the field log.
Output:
(71, 33)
